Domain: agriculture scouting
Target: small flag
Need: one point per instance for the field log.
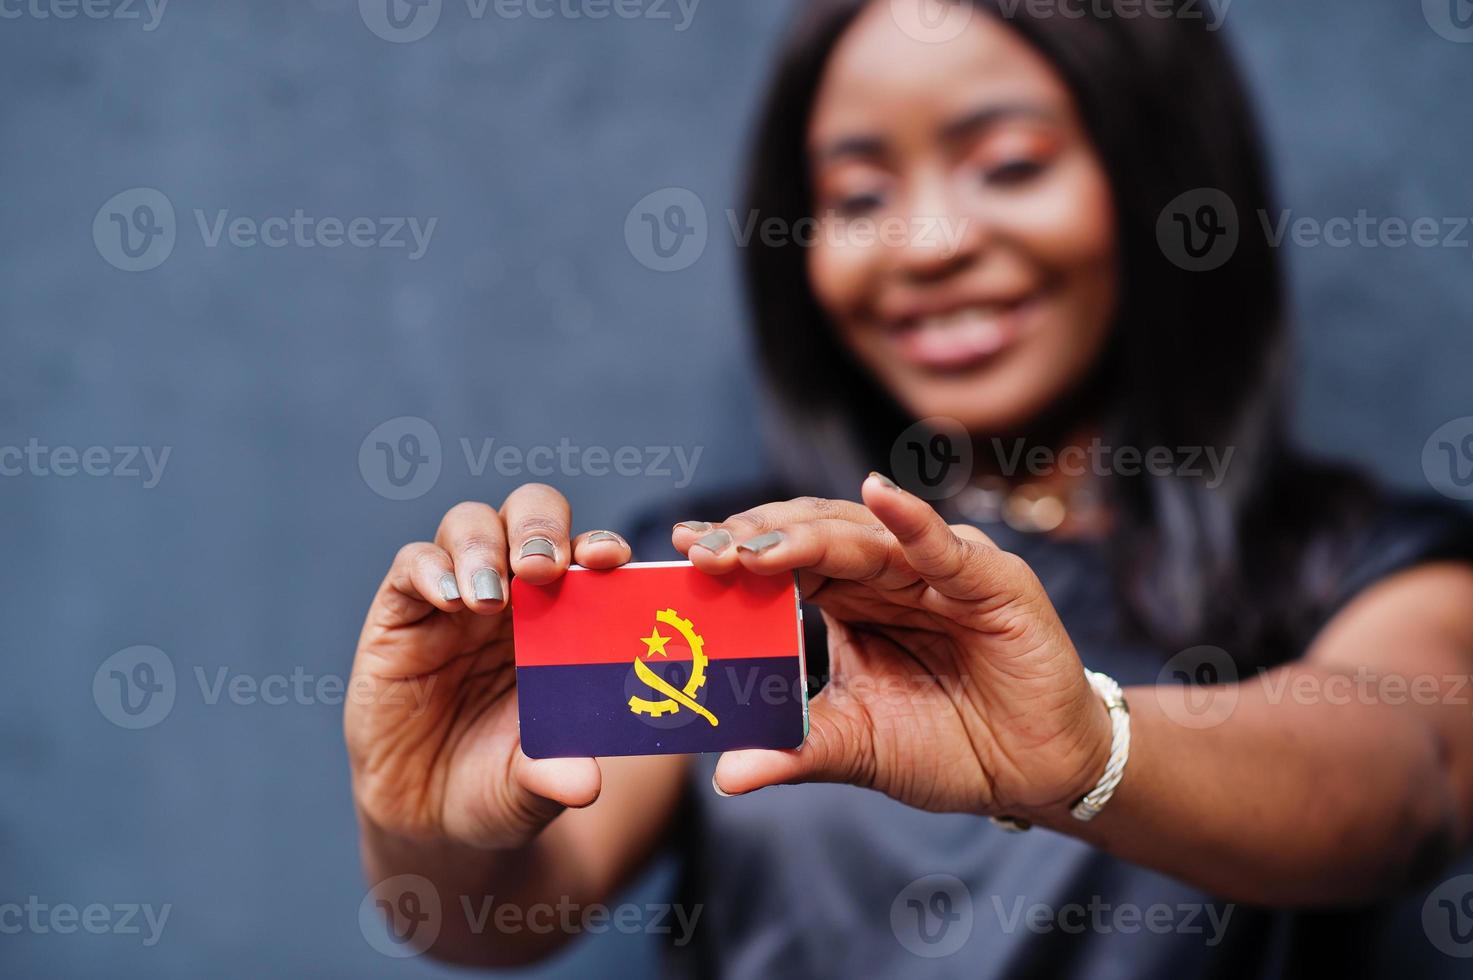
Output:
(657, 657)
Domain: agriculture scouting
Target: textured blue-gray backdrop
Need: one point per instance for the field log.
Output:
(528, 319)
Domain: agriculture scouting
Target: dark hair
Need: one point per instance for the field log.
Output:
(1195, 358)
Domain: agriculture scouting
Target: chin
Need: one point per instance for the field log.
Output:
(984, 403)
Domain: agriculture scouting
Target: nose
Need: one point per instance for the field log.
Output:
(941, 236)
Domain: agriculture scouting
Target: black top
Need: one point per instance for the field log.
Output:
(825, 880)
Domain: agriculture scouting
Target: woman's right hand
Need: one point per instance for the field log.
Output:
(431, 710)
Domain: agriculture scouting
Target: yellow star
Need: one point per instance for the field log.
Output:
(656, 643)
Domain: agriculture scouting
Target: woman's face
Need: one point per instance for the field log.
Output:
(966, 246)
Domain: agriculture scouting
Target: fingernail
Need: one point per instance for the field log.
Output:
(603, 536)
(885, 481)
(717, 787)
(761, 542)
(716, 542)
(700, 527)
(487, 585)
(448, 587)
(539, 546)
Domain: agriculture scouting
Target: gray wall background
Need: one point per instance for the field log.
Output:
(527, 320)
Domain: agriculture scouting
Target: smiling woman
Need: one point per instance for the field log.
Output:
(1113, 669)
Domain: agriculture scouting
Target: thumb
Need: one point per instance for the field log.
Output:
(552, 784)
(839, 749)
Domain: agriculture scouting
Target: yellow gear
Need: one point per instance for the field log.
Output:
(698, 660)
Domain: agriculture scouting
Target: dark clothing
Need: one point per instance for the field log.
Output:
(817, 880)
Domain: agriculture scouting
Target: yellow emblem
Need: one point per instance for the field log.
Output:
(675, 698)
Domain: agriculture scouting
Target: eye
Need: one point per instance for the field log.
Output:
(853, 205)
(1013, 172)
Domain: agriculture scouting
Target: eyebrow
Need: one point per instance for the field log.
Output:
(971, 124)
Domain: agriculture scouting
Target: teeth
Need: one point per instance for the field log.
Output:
(971, 317)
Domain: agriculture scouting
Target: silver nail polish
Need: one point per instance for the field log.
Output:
(717, 541)
(761, 542)
(449, 588)
(718, 789)
(603, 536)
(885, 481)
(539, 546)
(700, 527)
(487, 585)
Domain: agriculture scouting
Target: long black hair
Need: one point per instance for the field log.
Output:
(1195, 359)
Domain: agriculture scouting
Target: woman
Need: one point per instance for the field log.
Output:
(1052, 318)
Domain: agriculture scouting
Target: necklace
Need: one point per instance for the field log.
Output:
(1028, 508)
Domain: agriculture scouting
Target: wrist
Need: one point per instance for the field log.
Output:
(1103, 742)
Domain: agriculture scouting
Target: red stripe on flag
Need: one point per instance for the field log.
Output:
(590, 617)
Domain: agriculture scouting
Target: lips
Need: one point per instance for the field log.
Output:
(960, 338)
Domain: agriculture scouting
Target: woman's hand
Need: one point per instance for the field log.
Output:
(952, 684)
(431, 717)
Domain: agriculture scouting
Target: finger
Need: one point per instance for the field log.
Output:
(832, 549)
(838, 749)
(709, 546)
(601, 549)
(556, 783)
(537, 522)
(955, 566)
(473, 535)
(421, 579)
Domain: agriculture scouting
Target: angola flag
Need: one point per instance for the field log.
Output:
(657, 657)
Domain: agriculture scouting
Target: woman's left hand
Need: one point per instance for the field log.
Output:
(952, 685)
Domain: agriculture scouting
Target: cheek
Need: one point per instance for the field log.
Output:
(841, 275)
(1070, 230)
